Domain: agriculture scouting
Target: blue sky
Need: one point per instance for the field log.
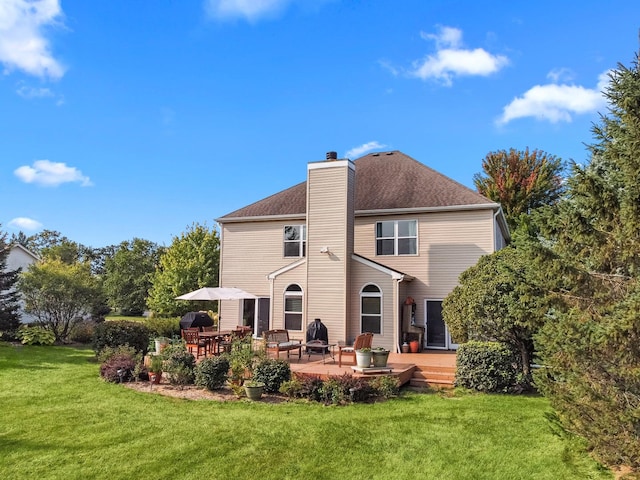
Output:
(135, 119)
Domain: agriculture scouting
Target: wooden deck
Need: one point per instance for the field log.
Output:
(418, 369)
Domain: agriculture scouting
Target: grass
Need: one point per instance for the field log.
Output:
(60, 420)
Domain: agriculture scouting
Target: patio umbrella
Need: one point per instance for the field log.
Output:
(216, 293)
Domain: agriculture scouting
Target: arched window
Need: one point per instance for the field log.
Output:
(371, 309)
(293, 307)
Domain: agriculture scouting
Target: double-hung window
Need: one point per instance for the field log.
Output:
(295, 240)
(397, 237)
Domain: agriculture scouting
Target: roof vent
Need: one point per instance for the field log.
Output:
(389, 153)
(332, 155)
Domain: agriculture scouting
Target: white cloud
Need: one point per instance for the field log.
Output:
(250, 10)
(555, 103)
(51, 174)
(32, 92)
(23, 44)
(24, 223)
(364, 148)
(451, 60)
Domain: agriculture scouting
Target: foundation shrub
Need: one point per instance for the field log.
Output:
(179, 365)
(486, 367)
(212, 373)
(385, 386)
(273, 373)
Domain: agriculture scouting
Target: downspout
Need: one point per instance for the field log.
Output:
(271, 302)
(397, 318)
(495, 225)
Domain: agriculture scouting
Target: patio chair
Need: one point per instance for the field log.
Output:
(363, 340)
(193, 341)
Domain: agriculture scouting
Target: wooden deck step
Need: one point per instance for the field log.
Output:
(427, 376)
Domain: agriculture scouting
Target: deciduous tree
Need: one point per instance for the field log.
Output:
(520, 180)
(128, 274)
(496, 301)
(59, 294)
(192, 261)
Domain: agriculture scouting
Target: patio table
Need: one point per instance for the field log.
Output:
(213, 337)
(316, 346)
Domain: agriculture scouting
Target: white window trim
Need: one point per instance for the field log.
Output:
(284, 306)
(301, 242)
(396, 237)
(379, 295)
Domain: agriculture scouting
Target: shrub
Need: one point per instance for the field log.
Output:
(120, 367)
(385, 386)
(486, 367)
(83, 332)
(108, 352)
(179, 365)
(346, 388)
(163, 327)
(272, 372)
(212, 373)
(292, 388)
(36, 336)
(114, 334)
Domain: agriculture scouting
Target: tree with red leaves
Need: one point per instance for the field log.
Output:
(520, 181)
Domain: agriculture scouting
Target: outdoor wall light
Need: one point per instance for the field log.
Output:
(324, 250)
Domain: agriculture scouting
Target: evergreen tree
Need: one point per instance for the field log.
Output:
(9, 296)
(590, 348)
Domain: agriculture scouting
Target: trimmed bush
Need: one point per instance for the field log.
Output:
(273, 373)
(212, 373)
(179, 365)
(486, 367)
(117, 333)
(163, 327)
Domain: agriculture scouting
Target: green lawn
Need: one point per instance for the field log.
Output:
(59, 420)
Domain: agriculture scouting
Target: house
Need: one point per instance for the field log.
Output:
(21, 258)
(371, 245)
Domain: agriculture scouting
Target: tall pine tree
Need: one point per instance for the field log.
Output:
(590, 347)
(9, 296)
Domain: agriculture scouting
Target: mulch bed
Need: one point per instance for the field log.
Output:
(191, 392)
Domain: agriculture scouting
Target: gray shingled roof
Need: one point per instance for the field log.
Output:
(384, 180)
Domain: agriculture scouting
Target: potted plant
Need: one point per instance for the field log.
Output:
(155, 368)
(363, 357)
(253, 389)
(160, 343)
(380, 356)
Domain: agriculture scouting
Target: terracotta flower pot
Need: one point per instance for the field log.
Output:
(413, 346)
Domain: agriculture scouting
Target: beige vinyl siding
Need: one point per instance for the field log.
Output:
(251, 251)
(328, 201)
(362, 275)
(448, 244)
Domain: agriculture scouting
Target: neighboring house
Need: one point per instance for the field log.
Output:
(21, 258)
(352, 245)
